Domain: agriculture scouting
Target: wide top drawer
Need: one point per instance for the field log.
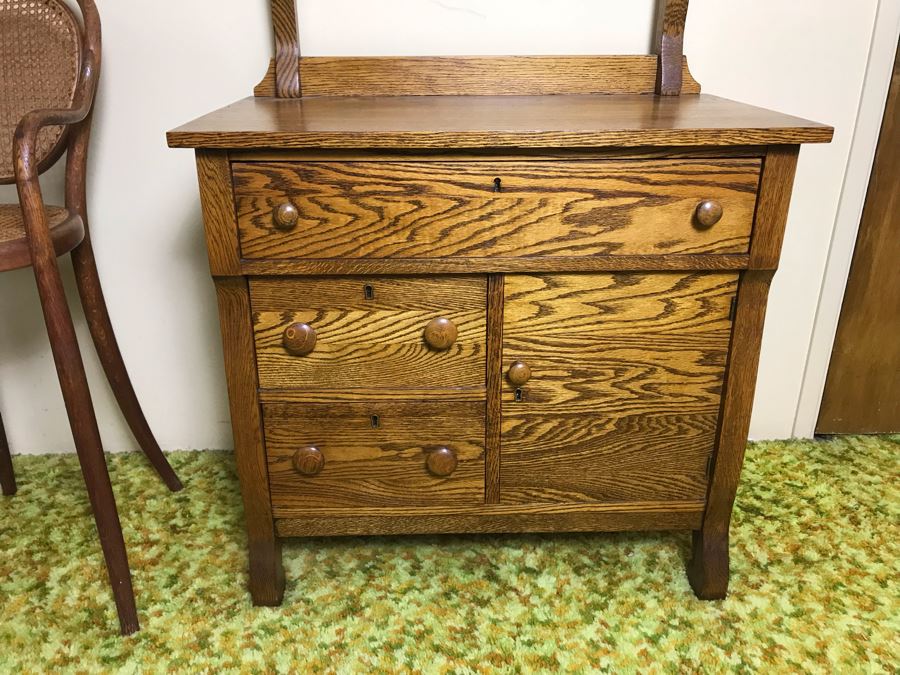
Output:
(479, 209)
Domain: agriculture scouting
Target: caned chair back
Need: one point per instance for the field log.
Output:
(40, 63)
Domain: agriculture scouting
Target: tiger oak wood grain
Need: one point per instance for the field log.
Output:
(217, 202)
(776, 187)
(708, 570)
(363, 343)
(445, 209)
(600, 263)
(671, 18)
(386, 393)
(624, 395)
(592, 273)
(446, 122)
(494, 155)
(476, 75)
(497, 518)
(266, 571)
(493, 406)
(287, 48)
(368, 466)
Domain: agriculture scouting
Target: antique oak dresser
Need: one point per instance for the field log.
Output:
(481, 294)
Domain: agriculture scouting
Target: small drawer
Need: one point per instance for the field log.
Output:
(367, 333)
(378, 454)
(482, 209)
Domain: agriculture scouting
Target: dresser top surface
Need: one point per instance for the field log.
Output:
(443, 122)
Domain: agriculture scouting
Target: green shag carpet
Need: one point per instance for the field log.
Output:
(814, 584)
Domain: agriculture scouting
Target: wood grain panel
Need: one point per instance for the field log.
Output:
(371, 394)
(476, 75)
(600, 263)
(497, 518)
(624, 397)
(266, 571)
(286, 78)
(471, 122)
(217, 200)
(367, 466)
(776, 188)
(480, 154)
(370, 343)
(449, 209)
(708, 570)
(578, 457)
(672, 15)
(493, 412)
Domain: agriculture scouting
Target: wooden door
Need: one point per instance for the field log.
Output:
(626, 374)
(862, 392)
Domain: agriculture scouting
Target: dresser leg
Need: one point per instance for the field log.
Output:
(708, 569)
(266, 572)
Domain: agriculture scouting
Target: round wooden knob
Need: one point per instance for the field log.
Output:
(309, 461)
(286, 217)
(440, 334)
(441, 462)
(519, 373)
(709, 212)
(299, 339)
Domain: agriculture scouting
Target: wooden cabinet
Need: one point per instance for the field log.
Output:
(500, 312)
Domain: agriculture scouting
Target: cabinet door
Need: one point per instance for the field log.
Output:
(623, 398)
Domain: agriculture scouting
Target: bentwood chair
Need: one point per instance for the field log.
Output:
(49, 65)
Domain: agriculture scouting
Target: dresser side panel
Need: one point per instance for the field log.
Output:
(266, 572)
(220, 224)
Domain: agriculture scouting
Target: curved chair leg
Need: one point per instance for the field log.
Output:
(108, 350)
(7, 476)
(77, 397)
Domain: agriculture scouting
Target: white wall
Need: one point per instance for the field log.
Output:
(856, 184)
(166, 62)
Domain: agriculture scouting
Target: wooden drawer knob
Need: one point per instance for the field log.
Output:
(440, 334)
(518, 374)
(309, 461)
(286, 217)
(299, 339)
(709, 212)
(441, 462)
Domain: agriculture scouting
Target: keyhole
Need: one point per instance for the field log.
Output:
(375, 422)
(369, 292)
(518, 395)
(498, 185)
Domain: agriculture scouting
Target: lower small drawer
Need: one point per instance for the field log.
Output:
(335, 455)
